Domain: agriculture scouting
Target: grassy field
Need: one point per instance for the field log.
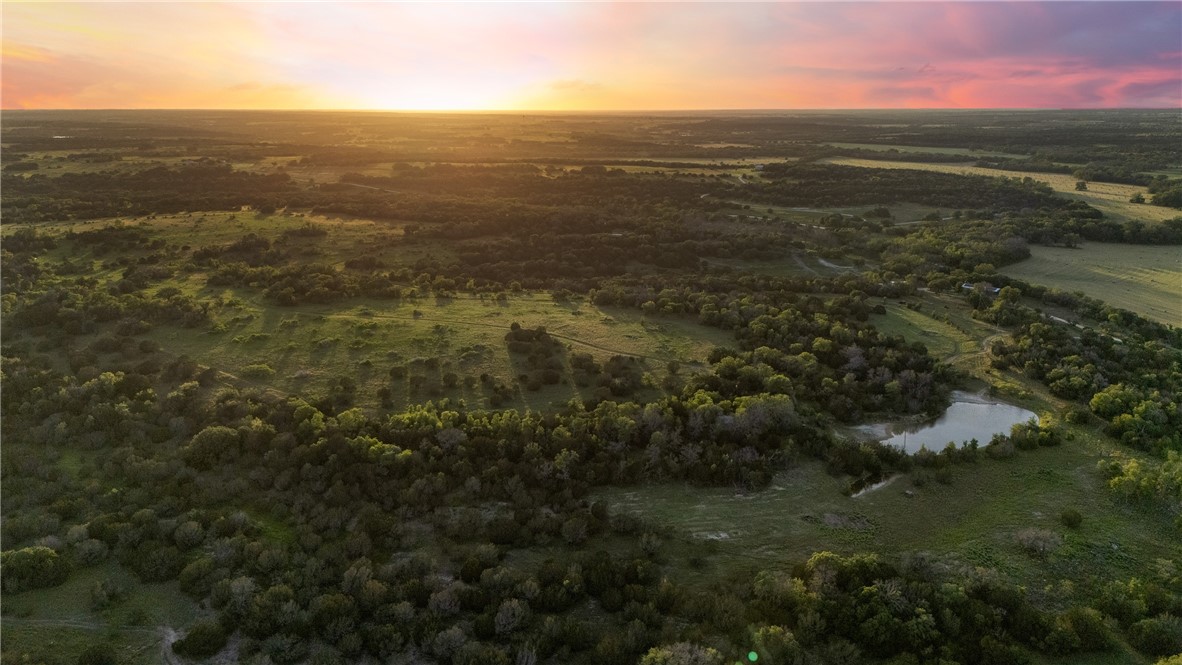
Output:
(972, 520)
(347, 237)
(1111, 199)
(798, 264)
(1143, 279)
(934, 329)
(309, 347)
(61, 620)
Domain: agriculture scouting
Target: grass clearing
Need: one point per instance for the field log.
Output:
(973, 519)
(1141, 278)
(1110, 199)
(60, 620)
(935, 331)
(309, 347)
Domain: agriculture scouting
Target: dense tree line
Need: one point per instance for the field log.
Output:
(806, 184)
(200, 185)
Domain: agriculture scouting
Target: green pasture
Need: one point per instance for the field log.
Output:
(309, 347)
(1141, 278)
(347, 237)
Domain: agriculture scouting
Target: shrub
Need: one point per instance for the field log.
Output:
(258, 371)
(204, 639)
(98, 654)
(681, 653)
(1159, 636)
(1071, 518)
(512, 614)
(1038, 542)
(90, 552)
(32, 568)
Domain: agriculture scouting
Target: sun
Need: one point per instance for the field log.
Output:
(443, 95)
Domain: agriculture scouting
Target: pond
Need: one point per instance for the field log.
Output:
(968, 417)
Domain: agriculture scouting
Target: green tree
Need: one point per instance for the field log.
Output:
(1159, 636)
(681, 653)
(32, 568)
(202, 640)
(98, 654)
(212, 445)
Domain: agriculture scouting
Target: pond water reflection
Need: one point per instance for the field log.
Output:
(968, 417)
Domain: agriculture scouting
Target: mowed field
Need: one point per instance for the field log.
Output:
(1108, 198)
(1143, 279)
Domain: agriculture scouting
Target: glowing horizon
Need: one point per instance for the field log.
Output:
(591, 56)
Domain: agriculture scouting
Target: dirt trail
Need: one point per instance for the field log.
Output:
(984, 350)
(800, 262)
(388, 191)
(80, 624)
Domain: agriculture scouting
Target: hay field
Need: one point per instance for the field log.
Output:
(1143, 279)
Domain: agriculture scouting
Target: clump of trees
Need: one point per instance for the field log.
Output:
(32, 568)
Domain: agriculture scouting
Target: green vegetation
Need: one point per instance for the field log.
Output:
(1110, 199)
(584, 389)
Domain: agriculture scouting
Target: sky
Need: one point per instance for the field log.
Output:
(591, 55)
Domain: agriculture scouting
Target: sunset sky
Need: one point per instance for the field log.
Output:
(591, 56)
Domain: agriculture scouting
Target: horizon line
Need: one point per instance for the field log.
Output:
(547, 110)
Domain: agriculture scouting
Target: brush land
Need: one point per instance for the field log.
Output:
(578, 388)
